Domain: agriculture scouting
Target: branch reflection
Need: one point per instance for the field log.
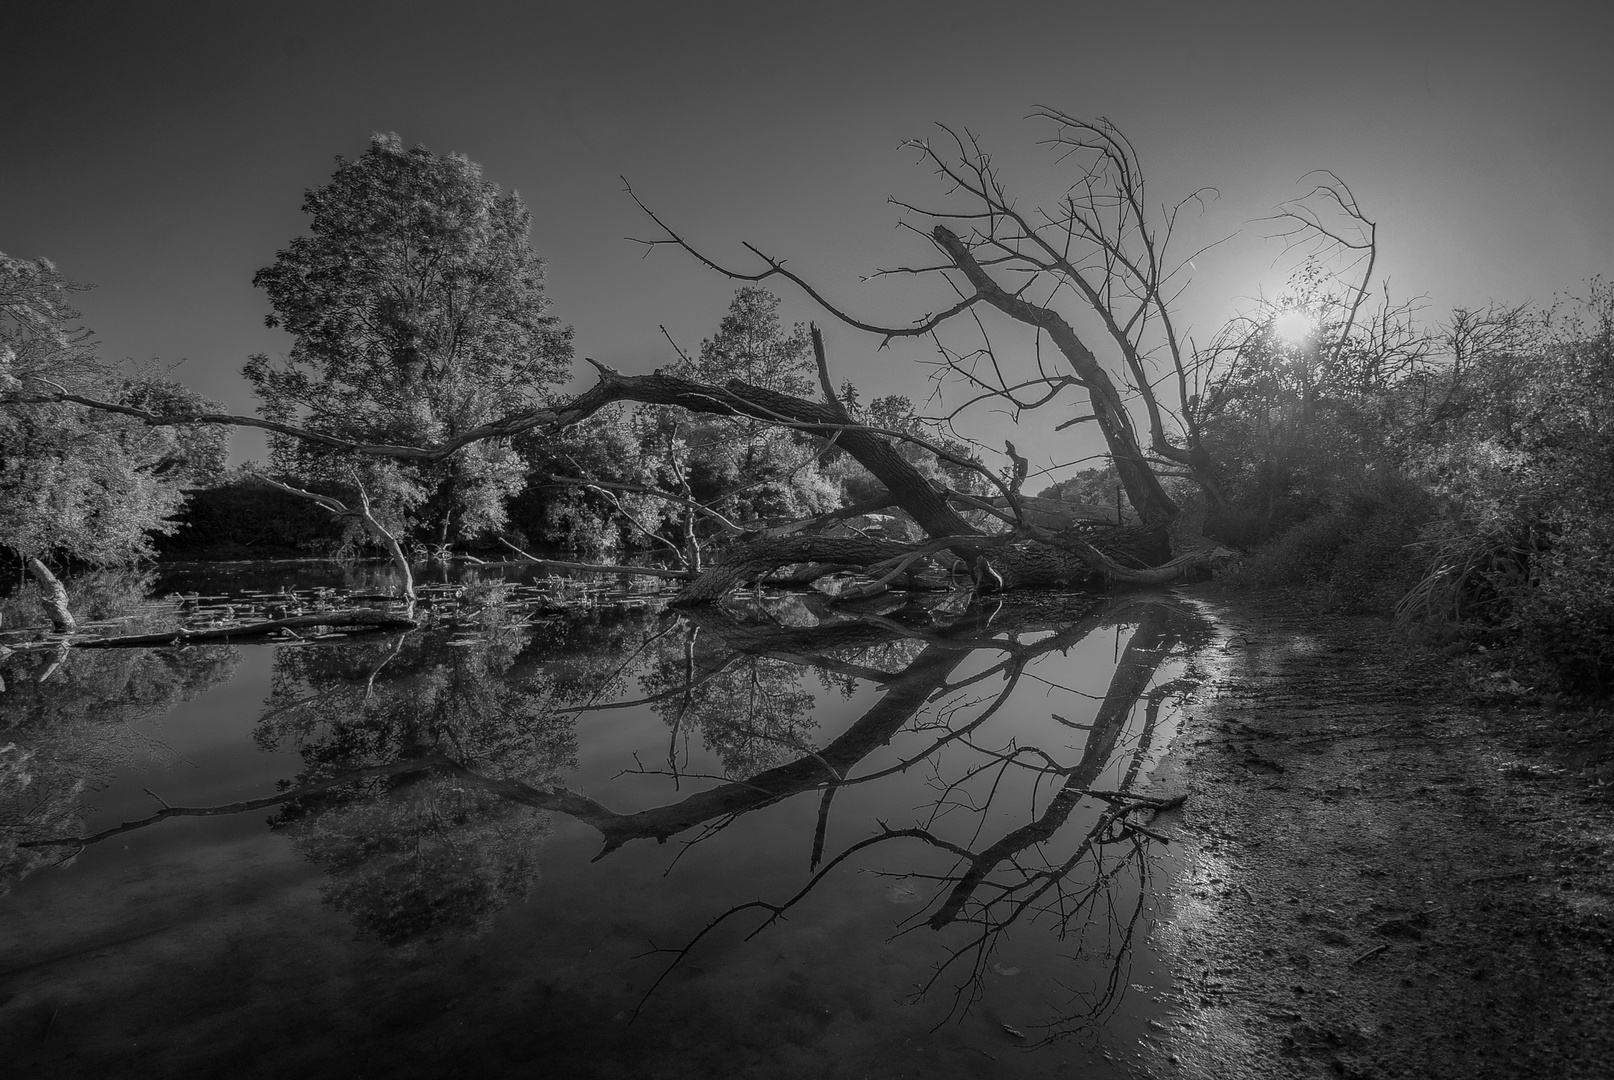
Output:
(433, 763)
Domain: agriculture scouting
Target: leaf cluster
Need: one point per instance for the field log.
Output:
(76, 483)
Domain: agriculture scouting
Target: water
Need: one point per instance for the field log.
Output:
(771, 839)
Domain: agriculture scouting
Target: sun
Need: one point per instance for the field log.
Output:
(1294, 326)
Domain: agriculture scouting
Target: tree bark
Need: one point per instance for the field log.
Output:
(752, 558)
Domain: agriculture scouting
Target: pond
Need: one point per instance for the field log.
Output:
(563, 829)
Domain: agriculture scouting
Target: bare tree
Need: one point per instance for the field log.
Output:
(1103, 247)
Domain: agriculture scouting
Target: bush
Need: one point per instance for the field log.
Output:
(1378, 564)
(1357, 554)
(1302, 555)
(1520, 448)
(1567, 619)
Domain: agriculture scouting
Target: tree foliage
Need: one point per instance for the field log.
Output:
(744, 467)
(667, 478)
(417, 310)
(80, 483)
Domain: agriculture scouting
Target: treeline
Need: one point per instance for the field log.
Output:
(1454, 476)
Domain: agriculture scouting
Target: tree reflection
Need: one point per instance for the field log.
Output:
(416, 853)
(750, 711)
(69, 720)
(433, 762)
(1028, 875)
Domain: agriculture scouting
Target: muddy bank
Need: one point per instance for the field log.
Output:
(1378, 877)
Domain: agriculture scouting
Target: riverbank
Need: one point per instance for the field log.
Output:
(1377, 875)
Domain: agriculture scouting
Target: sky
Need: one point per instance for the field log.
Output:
(159, 151)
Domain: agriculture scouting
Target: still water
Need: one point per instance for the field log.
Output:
(563, 830)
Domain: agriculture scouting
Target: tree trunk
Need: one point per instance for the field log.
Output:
(1143, 487)
(1038, 555)
(52, 595)
(751, 559)
(1042, 557)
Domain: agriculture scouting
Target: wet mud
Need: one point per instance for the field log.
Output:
(1375, 876)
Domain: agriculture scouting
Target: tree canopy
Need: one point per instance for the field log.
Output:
(81, 483)
(417, 310)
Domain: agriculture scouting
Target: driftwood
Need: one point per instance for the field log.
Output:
(365, 618)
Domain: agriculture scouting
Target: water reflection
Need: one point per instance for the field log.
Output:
(418, 852)
(982, 764)
(1028, 874)
(68, 724)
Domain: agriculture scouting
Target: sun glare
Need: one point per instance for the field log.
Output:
(1294, 327)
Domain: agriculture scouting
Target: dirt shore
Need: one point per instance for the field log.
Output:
(1380, 875)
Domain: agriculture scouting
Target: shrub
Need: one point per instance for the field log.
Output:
(1357, 554)
(1377, 564)
(1567, 619)
(1302, 555)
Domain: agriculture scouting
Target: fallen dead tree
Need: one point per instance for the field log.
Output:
(1023, 552)
(1090, 270)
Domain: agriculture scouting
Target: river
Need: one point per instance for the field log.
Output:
(564, 830)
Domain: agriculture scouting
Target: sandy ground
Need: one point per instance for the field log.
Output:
(1378, 876)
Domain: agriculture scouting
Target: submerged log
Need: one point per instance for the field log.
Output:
(365, 618)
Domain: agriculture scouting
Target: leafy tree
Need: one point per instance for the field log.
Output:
(672, 478)
(744, 467)
(751, 345)
(79, 483)
(418, 311)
